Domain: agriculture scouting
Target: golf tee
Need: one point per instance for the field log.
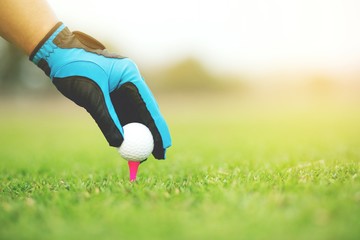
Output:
(133, 168)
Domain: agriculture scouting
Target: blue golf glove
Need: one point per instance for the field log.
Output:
(108, 86)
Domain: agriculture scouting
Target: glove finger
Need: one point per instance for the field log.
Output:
(86, 93)
(133, 102)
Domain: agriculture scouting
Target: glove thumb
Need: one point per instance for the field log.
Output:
(87, 94)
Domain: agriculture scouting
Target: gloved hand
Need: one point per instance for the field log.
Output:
(108, 86)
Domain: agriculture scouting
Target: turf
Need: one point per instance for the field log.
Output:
(240, 174)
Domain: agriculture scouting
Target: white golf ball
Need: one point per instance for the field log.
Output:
(138, 142)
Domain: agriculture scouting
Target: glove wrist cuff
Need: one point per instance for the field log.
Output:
(46, 45)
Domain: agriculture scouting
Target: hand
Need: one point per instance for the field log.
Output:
(108, 86)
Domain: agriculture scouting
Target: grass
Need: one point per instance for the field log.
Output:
(239, 174)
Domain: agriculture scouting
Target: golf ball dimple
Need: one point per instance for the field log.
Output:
(138, 142)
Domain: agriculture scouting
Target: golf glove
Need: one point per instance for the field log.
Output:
(108, 86)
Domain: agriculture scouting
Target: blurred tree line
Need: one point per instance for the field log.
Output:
(190, 76)
(18, 74)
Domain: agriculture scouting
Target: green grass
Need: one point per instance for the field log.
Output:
(231, 175)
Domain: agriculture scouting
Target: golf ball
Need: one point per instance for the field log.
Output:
(138, 142)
